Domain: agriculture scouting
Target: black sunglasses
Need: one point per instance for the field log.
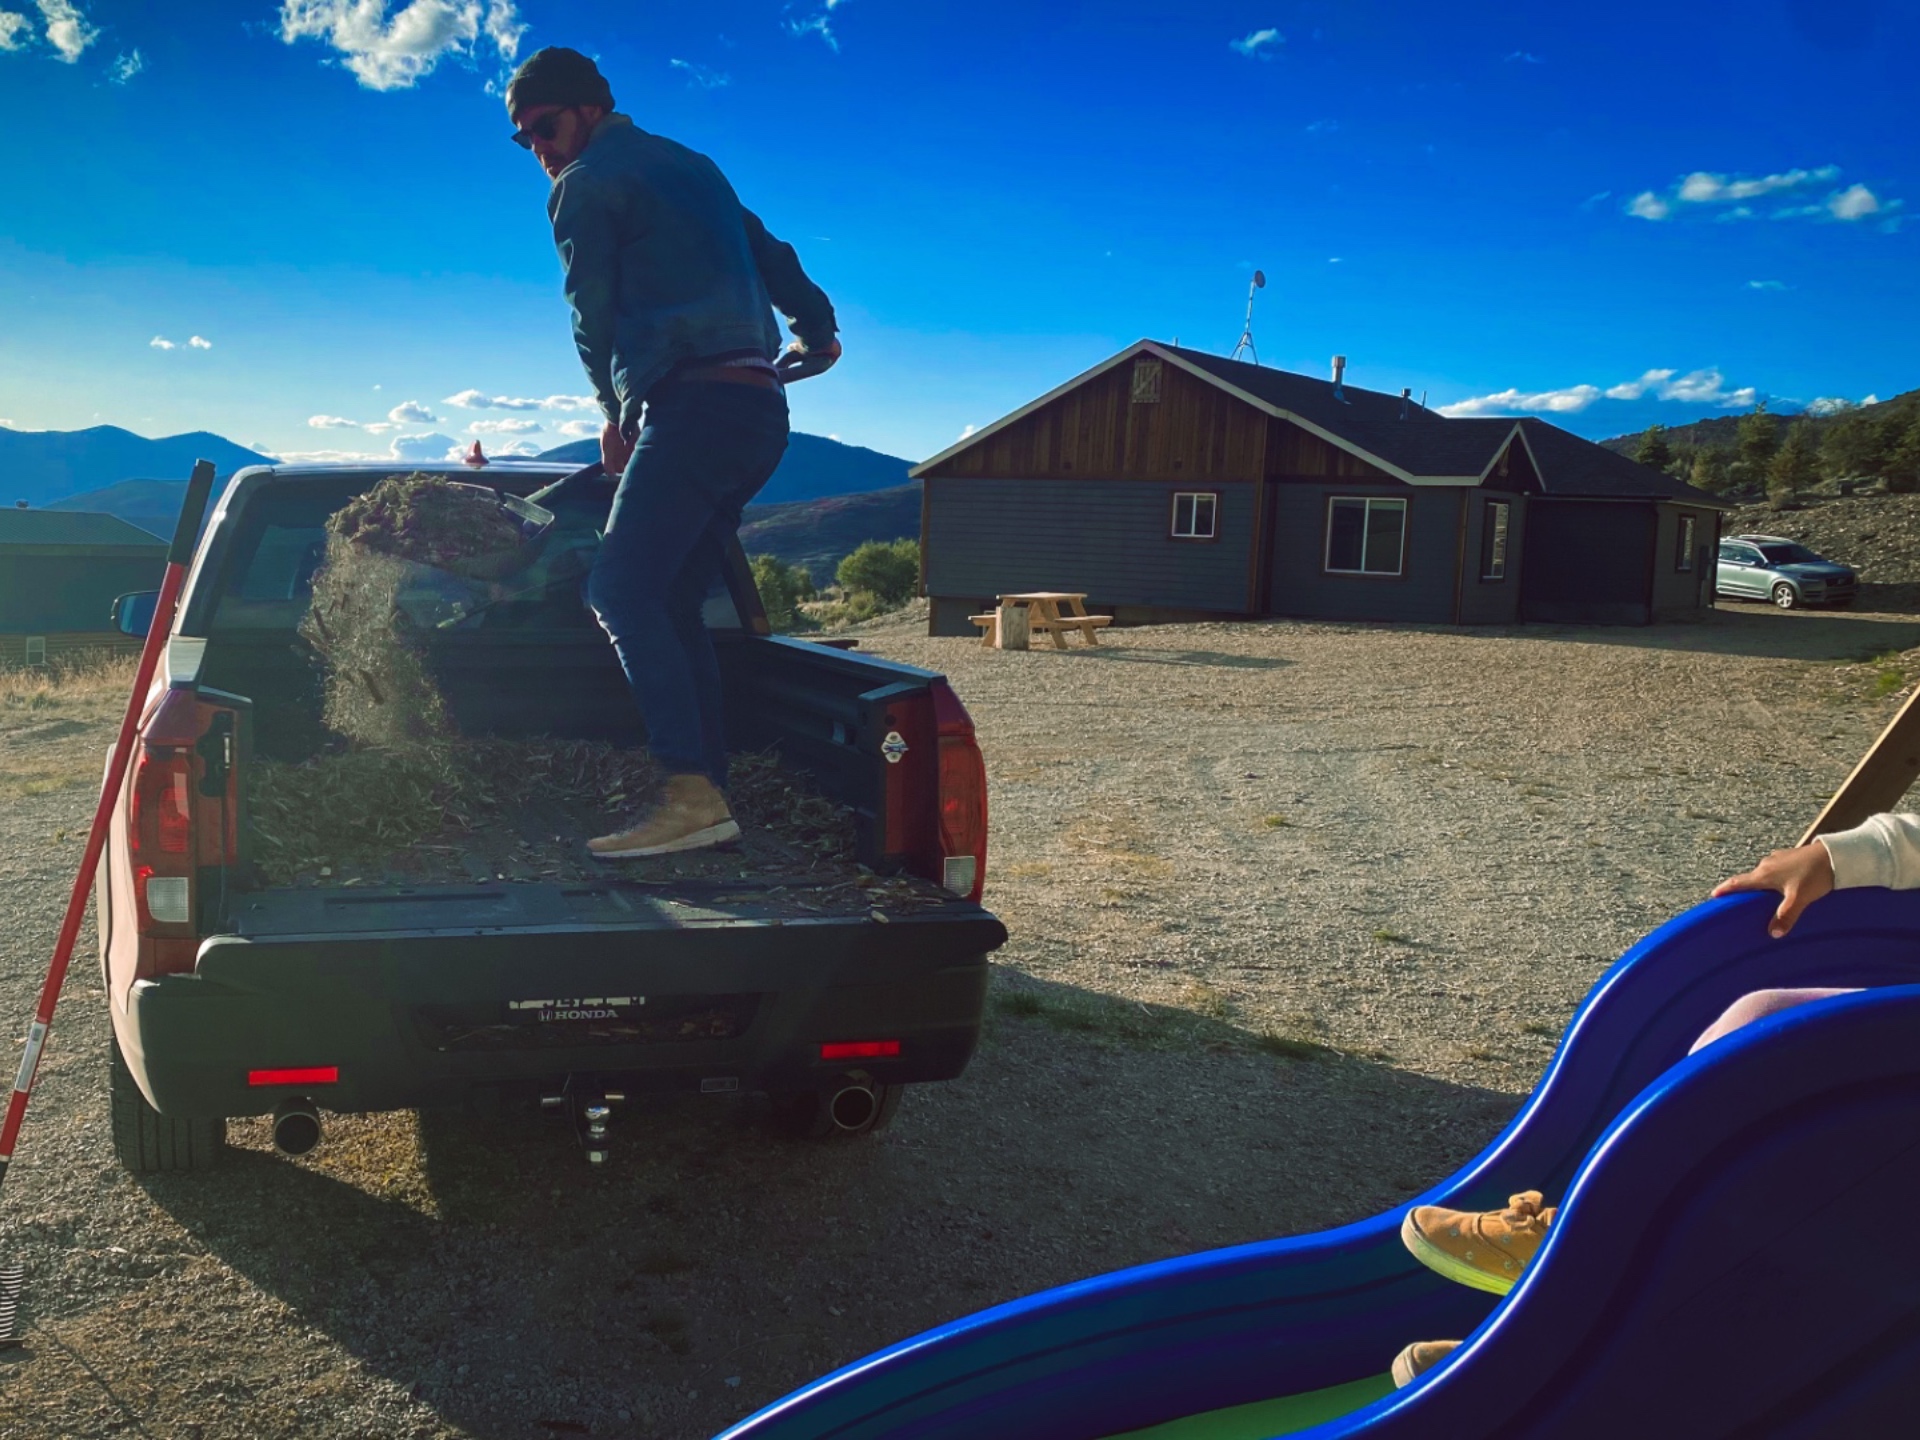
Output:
(542, 129)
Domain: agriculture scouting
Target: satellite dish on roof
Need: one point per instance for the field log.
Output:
(1246, 331)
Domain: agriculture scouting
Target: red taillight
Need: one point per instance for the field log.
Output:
(159, 836)
(860, 1050)
(173, 827)
(963, 797)
(299, 1075)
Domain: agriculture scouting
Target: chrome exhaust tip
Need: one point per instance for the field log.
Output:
(855, 1107)
(296, 1127)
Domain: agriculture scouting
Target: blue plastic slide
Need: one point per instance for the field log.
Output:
(1733, 1254)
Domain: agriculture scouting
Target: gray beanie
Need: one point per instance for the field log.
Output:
(557, 76)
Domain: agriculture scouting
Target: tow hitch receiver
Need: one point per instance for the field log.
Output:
(591, 1108)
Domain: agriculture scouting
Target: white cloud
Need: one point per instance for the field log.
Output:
(1569, 401)
(199, 342)
(160, 342)
(125, 67)
(1595, 198)
(1259, 44)
(971, 429)
(517, 447)
(1523, 57)
(12, 26)
(381, 427)
(412, 412)
(503, 427)
(1767, 285)
(480, 400)
(1853, 203)
(578, 429)
(1828, 405)
(1649, 206)
(700, 77)
(1704, 188)
(1323, 127)
(818, 25)
(67, 29)
(1634, 389)
(395, 53)
(1707, 387)
(332, 422)
(1738, 212)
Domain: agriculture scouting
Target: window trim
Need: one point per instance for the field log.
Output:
(1489, 574)
(1684, 534)
(1369, 501)
(1173, 517)
(27, 655)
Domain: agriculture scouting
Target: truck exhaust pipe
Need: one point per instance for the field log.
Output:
(296, 1127)
(854, 1107)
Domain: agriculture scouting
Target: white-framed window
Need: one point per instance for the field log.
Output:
(36, 650)
(1493, 541)
(1365, 536)
(1683, 546)
(1146, 380)
(1196, 514)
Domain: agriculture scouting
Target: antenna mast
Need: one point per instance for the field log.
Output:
(1246, 332)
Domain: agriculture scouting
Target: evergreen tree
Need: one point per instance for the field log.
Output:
(1795, 466)
(1855, 448)
(1755, 443)
(1903, 456)
(1712, 469)
(1654, 450)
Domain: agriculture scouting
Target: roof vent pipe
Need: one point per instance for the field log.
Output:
(1406, 398)
(1339, 369)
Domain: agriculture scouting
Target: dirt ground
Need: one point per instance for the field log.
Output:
(1297, 914)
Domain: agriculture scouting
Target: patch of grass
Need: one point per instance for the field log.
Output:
(1207, 1000)
(1027, 870)
(1024, 1003)
(1481, 1052)
(1391, 937)
(1535, 1027)
(1276, 822)
(1289, 1048)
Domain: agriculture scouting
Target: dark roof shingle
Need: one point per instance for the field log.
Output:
(74, 527)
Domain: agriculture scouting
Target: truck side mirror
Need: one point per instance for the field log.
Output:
(133, 614)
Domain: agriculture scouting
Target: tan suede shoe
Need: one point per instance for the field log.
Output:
(1487, 1249)
(691, 815)
(1418, 1358)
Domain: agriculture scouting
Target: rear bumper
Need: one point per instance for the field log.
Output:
(364, 1004)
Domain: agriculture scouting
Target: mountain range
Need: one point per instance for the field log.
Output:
(1724, 429)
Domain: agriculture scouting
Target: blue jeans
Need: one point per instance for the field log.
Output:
(704, 451)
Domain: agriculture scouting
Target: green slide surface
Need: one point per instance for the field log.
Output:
(1266, 1418)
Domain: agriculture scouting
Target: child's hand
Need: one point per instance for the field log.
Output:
(1801, 875)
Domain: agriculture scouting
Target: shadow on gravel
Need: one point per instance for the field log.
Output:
(715, 1264)
(1755, 630)
(1196, 659)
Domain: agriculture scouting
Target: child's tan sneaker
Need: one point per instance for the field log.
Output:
(1485, 1249)
(1418, 1358)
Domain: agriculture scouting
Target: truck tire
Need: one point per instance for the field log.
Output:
(809, 1114)
(149, 1143)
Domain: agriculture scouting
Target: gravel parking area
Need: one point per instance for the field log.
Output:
(1297, 912)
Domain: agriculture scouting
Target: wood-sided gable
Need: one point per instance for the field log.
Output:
(1296, 453)
(1096, 429)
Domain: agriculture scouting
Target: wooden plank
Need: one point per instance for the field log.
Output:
(1883, 776)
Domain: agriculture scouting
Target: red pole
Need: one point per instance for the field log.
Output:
(178, 554)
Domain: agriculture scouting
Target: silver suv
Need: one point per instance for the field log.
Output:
(1771, 567)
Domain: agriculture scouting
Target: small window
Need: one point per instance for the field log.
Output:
(36, 649)
(1493, 542)
(1195, 515)
(1146, 381)
(1365, 537)
(1683, 546)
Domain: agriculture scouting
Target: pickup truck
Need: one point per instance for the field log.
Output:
(230, 996)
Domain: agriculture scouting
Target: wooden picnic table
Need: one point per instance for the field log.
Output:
(1043, 613)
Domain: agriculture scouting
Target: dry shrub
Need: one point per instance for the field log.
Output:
(79, 675)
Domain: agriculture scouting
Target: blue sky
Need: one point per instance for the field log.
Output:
(1603, 215)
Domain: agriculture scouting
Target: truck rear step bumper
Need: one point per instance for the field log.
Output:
(717, 1006)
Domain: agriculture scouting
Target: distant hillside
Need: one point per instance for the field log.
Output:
(1723, 429)
(818, 534)
(813, 468)
(44, 466)
(151, 504)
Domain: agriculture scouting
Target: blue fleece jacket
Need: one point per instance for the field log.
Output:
(665, 265)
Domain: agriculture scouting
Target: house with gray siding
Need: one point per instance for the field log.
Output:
(60, 572)
(1167, 483)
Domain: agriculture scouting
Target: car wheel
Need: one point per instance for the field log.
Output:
(1784, 596)
(149, 1143)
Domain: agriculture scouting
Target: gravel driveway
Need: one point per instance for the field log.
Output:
(1297, 911)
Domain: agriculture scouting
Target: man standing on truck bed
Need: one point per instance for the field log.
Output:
(672, 283)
